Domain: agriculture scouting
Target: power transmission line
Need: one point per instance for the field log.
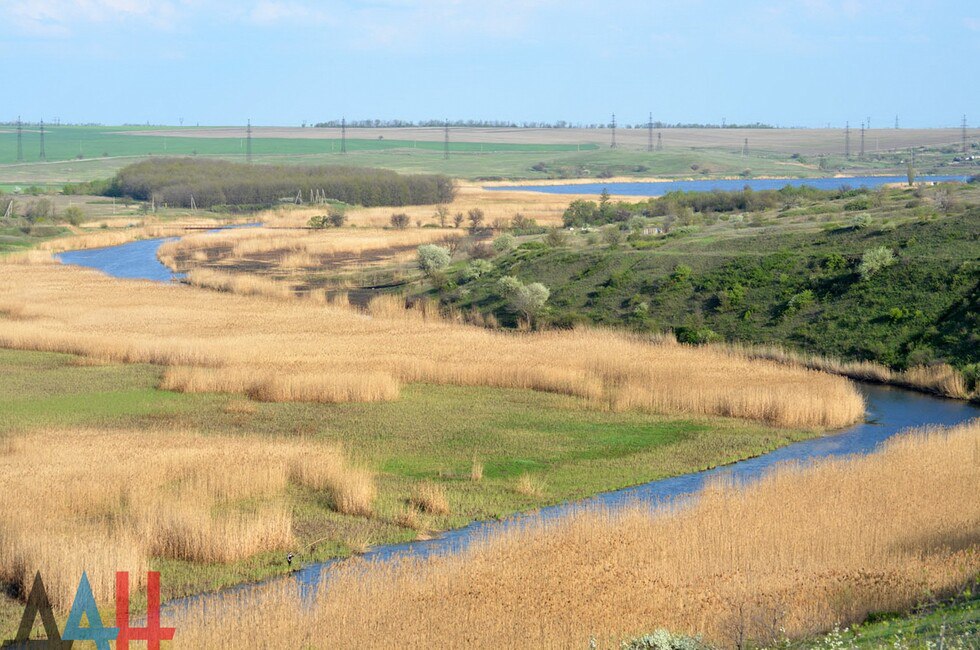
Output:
(660, 141)
(42, 156)
(862, 140)
(445, 142)
(343, 135)
(20, 140)
(847, 140)
(896, 122)
(650, 133)
(612, 145)
(248, 141)
(745, 148)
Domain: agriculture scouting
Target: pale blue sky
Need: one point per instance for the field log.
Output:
(791, 62)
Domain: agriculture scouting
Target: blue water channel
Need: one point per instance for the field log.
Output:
(659, 188)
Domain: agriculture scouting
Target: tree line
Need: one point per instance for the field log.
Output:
(591, 213)
(187, 182)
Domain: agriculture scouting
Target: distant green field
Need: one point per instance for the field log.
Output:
(106, 149)
(70, 142)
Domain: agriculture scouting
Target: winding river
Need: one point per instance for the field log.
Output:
(890, 410)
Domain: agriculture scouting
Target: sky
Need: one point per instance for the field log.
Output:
(283, 62)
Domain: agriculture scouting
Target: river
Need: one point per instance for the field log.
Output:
(890, 410)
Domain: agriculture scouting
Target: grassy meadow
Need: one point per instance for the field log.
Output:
(299, 460)
(785, 557)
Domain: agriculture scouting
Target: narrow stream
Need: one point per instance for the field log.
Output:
(890, 411)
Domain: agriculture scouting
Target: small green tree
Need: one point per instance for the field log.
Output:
(526, 299)
(432, 258)
(530, 299)
(874, 260)
(580, 213)
(508, 285)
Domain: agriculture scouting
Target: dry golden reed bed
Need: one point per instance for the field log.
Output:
(283, 350)
(941, 379)
(793, 554)
(147, 229)
(546, 209)
(292, 249)
(98, 500)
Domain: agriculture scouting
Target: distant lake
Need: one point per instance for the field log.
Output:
(661, 188)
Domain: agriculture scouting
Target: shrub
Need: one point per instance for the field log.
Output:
(318, 221)
(612, 235)
(971, 375)
(527, 299)
(874, 260)
(476, 217)
(800, 301)
(508, 285)
(682, 273)
(520, 222)
(476, 269)
(557, 237)
(433, 258)
(38, 210)
(664, 640)
(504, 243)
(400, 221)
(336, 217)
(482, 251)
(860, 203)
(73, 215)
(861, 222)
(697, 335)
(834, 262)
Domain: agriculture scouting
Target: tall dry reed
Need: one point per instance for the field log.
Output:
(941, 379)
(346, 355)
(792, 554)
(101, 501)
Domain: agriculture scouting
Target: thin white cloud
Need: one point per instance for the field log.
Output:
(62, 17)
(269, 12)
